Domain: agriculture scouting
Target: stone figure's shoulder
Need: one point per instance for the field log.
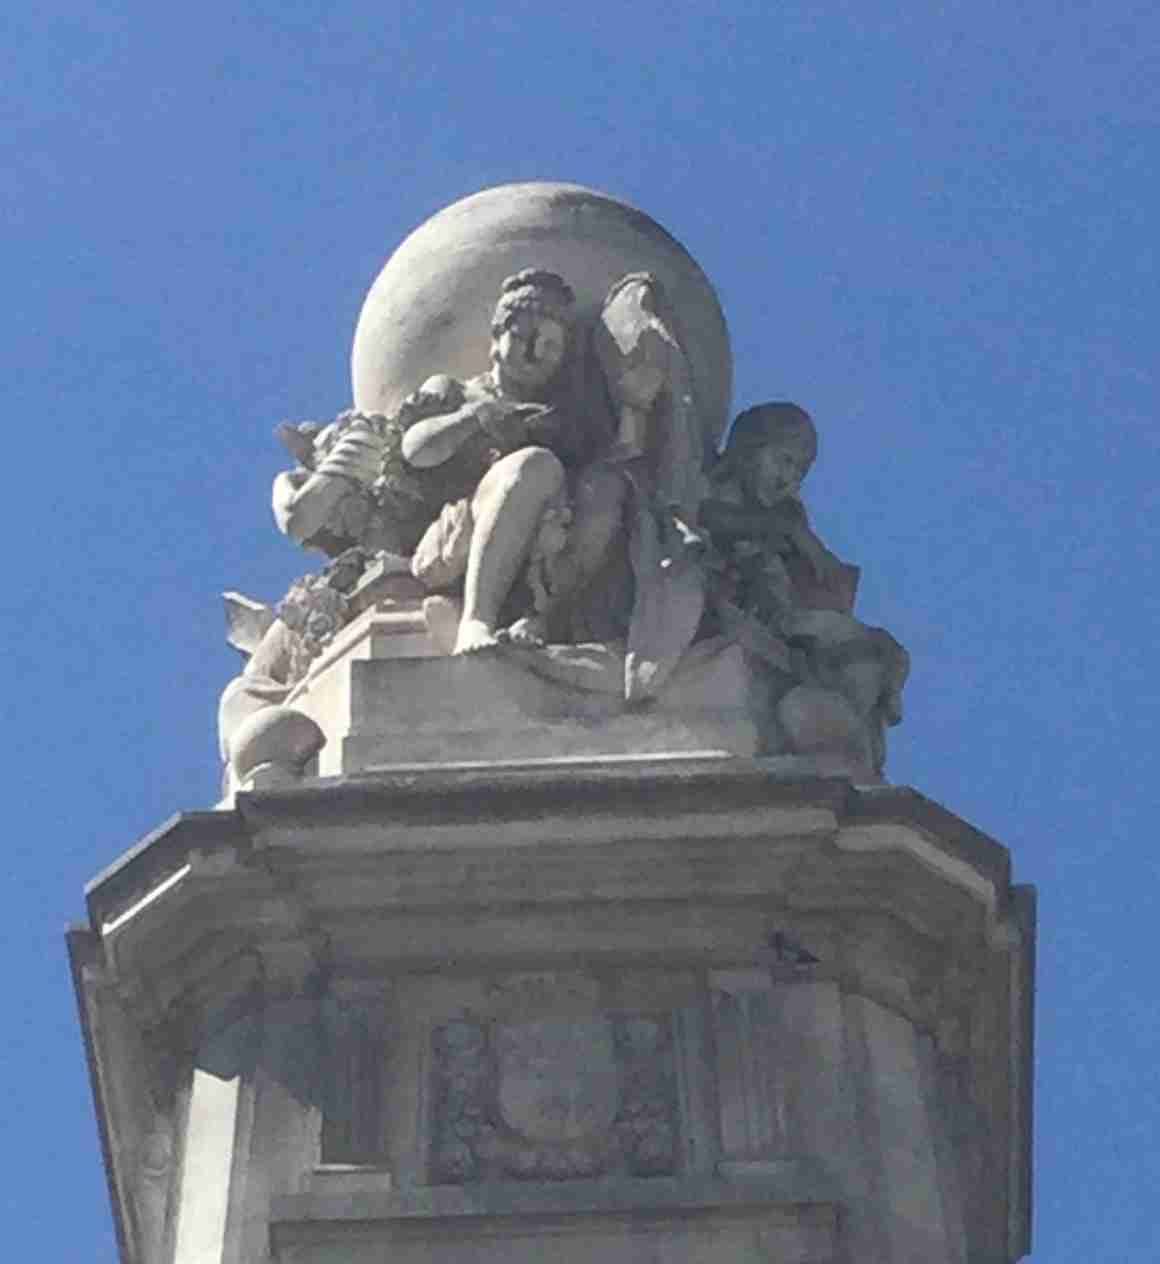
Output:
(725, 488)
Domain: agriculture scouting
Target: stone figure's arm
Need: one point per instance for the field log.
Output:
(511, 424)
(733, 525)
(784, 529)
(822, 562)
(727, 522)
(437, 439)
(303, 500)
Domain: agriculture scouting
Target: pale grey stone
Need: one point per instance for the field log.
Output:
(545, 465)
(546, 913)
(428, 310)
(203, 1196)
(534, 482)
(274, 735)
(555, 905)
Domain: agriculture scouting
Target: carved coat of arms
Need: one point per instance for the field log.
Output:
(530, 1095)
(558, 1078)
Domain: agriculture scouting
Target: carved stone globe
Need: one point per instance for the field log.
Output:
(430, 309)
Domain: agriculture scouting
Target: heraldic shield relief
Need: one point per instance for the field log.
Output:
(553, 1097)
(558, 1078)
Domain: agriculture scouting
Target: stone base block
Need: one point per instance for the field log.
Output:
(490, 707)
(502, 705)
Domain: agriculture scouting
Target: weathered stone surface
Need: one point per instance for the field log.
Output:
(550, 908)
(542, 380)
(428, 310)
(750, 1014)
(500, 706)
(685, 1223)
(274, 735)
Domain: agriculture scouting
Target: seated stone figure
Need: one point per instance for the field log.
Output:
(773, 561)
(540, 479)
(557, 489)
(836, 682)
(501, 470)
(519, 447)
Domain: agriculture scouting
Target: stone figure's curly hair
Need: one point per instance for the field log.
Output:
(770, 423)
(532, 290)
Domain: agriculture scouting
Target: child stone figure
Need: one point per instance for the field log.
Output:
(789, 600)
(769, 556)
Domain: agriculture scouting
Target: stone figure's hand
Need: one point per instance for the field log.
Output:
(508, 424)
(439, 393)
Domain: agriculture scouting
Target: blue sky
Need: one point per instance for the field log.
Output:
(933, 225)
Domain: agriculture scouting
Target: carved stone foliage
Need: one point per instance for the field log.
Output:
(570, 491)
(464, 1127)
(313, 611)
(553, 1098)
(646, 1124)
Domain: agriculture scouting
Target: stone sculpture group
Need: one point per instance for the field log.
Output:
(573, 496)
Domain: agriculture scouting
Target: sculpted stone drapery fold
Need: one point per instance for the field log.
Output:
(540, 482)
(570, 494)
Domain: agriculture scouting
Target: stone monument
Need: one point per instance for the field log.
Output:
(555, 901)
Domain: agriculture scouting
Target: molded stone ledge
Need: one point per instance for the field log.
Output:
(713, 1221)
(900, 805)
(484, 792)
(331, 1180)
(158, 857)
(230, 867)
(786, 1184)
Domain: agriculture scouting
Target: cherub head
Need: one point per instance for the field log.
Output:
(531, 330)
(771, 449)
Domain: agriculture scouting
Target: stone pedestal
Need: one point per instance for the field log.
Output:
(675, 1009)
(386, 693)
(479, 963)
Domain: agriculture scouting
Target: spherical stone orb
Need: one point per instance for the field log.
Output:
(429, 311)
(274, 735)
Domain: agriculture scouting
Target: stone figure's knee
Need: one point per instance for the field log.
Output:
(540, 464)
(538, 470)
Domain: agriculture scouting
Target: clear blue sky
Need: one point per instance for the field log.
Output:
(932, 224)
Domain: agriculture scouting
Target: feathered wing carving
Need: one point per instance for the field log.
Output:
(661, 438)
(247, 621)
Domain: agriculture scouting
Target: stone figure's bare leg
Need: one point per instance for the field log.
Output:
(597, 518)
(506, 508)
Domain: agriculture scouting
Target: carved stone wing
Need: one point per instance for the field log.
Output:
(669, 601)
(650, 383)
(247, 621)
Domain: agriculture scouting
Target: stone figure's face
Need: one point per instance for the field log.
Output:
(531, 350)
(777, 469)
